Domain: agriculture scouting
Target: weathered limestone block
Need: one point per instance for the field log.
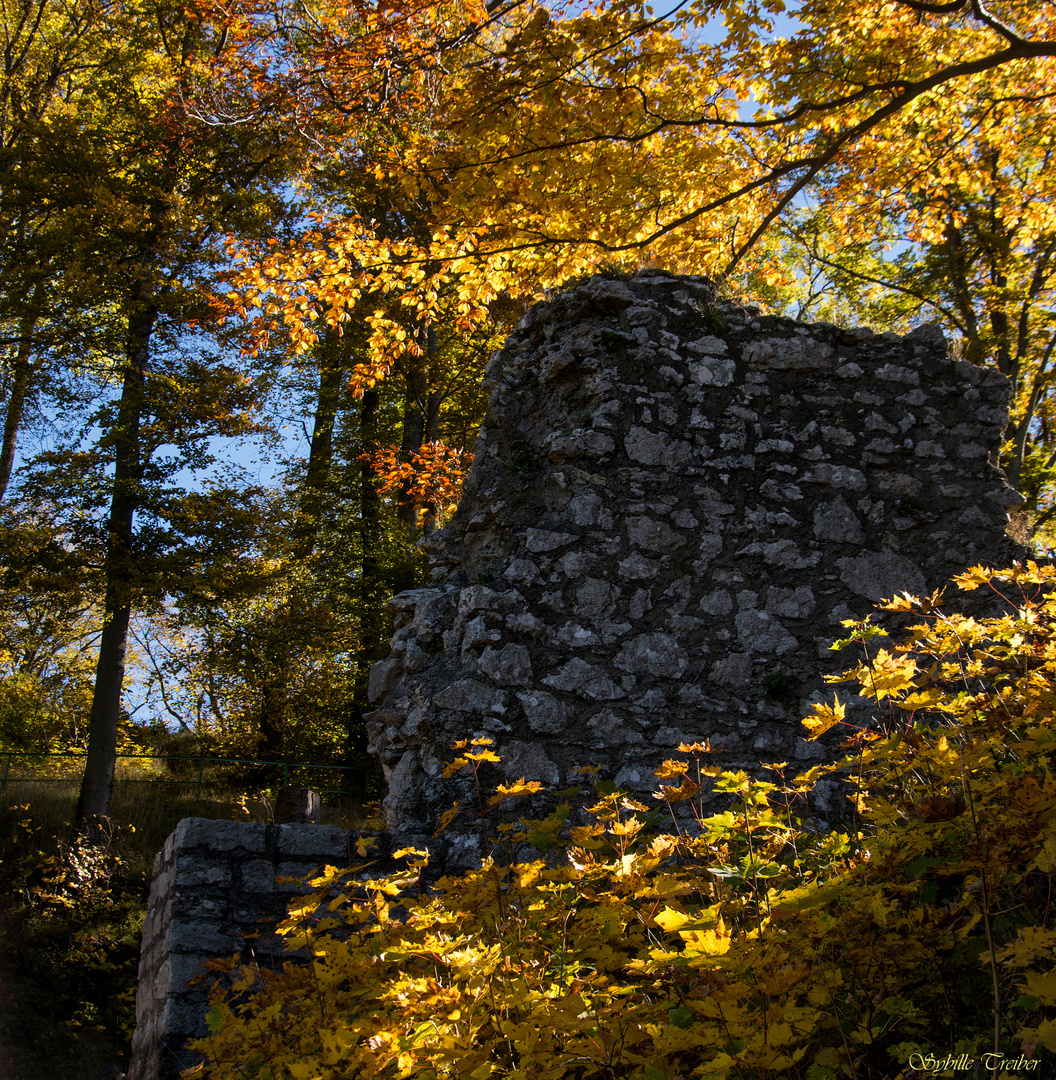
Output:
(673, 505)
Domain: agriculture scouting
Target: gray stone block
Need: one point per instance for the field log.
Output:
(179, 968)
(193, 872)
(199, 936)
(325, 842)
(214, 836)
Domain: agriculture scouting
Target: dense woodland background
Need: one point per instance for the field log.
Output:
(254, 257)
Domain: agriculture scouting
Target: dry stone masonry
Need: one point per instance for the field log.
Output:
(215, 893)
(674, 504)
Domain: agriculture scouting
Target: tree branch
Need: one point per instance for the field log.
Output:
(892, 285)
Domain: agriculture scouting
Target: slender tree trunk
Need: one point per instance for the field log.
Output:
(413, 436)
(373, 588)
(432, 433)
(333, 355)
(119, 572)
(21, 374)
(432, 415)
(999, 324)
(371, 579)
(271, 740)
(415, 410)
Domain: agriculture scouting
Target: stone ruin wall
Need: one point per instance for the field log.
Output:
(674, 503)
(215, 893)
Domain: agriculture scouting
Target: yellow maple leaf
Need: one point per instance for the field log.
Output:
(824, 717)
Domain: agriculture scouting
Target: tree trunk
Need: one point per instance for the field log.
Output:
(415, 407)
(333, 355)
(271, 736)
(21, 372)
(373, 637)
(119, 572)
(413, 435)
(373, 624)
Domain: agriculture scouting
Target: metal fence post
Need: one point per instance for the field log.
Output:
(198, 789)
(285, 776)
(7, 769)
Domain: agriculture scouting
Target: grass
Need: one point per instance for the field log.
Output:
(70, 918)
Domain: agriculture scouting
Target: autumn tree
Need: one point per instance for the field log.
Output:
(539, 143)
(280, 670)
(153, 154)
(48, 47)
(559, 138)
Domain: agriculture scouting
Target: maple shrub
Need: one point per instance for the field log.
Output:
(744, 942)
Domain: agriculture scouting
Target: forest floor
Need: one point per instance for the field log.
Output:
(9, 986)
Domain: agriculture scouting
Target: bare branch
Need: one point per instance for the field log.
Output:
(995, 24)
(894, 286)
(950, 7)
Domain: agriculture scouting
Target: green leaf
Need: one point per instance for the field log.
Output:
(682, 1017)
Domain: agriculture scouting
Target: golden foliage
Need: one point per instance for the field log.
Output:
(432, 478)
(530, 144)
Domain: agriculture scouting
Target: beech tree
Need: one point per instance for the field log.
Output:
(48, 46)
(601, 134)
(559, 140)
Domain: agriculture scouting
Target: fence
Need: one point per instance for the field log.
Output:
(366, 772)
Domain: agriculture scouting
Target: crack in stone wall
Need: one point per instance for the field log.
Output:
(673, 505)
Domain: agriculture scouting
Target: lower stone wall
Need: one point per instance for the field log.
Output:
(214, 882)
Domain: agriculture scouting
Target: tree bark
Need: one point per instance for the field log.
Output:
(371, 579)
(119, 572)
(413, 435)
(332, 354)
(415, 371)
(373, 588)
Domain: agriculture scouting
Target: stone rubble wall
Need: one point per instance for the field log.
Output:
(214, 881)
(674, 504)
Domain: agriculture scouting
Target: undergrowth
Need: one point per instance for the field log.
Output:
(752, 944)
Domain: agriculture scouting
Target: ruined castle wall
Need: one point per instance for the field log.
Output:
(674, 504)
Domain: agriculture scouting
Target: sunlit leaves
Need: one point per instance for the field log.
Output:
(432, 477)
(823, 718)
(533, 145)
(740, 947)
